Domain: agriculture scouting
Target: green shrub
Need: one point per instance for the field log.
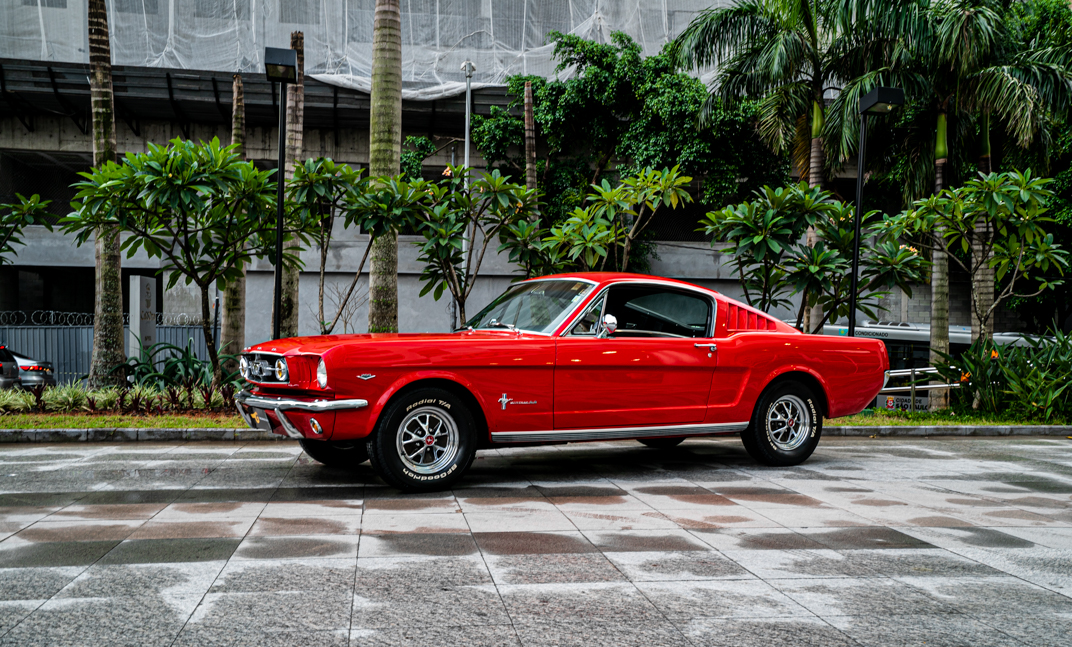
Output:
(16, 401)
(67, 398)
(1030, 382)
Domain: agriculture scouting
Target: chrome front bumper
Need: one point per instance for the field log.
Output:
(246, 399)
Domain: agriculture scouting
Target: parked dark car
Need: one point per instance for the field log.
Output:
(9, 370)
(33, 372)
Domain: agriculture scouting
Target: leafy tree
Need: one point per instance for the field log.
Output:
(412, 160)
(773, 264)
(994, 222)
(639, 112)
(197, 207)
(456, 208)
(15, 217)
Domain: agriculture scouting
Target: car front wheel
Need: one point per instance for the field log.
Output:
(425, 441)
(785, 427)
(338, 454)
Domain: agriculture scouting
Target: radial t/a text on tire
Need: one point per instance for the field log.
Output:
(425, 440)
(786, 425)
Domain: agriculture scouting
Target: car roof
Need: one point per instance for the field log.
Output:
(606, 278)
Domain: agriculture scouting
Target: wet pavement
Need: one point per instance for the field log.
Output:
(871, 542)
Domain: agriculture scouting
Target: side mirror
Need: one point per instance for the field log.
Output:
(610, 324)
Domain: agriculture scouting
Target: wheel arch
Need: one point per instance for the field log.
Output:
(807, 379)
(455, 387)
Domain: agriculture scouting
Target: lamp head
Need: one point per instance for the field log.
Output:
(281, 65)
(880, 101)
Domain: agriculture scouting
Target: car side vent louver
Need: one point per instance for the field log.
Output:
(740, 319)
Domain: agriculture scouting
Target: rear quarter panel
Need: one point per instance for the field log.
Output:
(850, 371)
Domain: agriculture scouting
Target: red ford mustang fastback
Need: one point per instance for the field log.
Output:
(563, 358)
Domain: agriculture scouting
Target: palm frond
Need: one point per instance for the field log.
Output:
(719, 33)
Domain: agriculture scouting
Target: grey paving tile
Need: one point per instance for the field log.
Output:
(467, 636)
(38, 583)
(198, 636)
(913, 631)
(148, 551)
(134, 622)
(274, 611)
(14, 554)
(274, 548)
(552, 568)
(533, 543)
(766, 632)
(251, 576)
(982, 596)
(577, 603)
(12, 612)
(861, 596)
(749, 598)
(427, 543)
(1042, 628)
(646, 541)
(402, 608)
(676, 566)
(655, 632)
(400, 573)
(190, 580)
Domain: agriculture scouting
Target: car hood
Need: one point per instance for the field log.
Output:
(320, 344)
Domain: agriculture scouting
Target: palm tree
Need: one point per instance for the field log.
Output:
(788, 54)
(108, 342)
(233, 321)
(385, 154)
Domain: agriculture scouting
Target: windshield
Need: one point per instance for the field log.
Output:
(533, 307)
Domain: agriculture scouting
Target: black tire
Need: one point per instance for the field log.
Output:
(773, 443)
(346, 453)
(661, 443)
(445, 414)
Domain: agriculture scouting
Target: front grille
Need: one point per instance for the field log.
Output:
(260, 368)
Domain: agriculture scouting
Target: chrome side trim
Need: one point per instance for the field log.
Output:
(616, 433)
(283, 404)
(288, 426)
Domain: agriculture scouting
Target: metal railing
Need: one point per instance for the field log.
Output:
(69, 347)
(912, 374)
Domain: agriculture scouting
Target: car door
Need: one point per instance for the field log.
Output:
(654, 370)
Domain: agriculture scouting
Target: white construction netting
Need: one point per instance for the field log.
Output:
(501, 37)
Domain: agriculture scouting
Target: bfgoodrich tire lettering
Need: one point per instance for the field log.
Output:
(425, 441)
(346, 454)
(786, 425)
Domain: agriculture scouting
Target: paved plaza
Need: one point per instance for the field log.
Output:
(871, 542)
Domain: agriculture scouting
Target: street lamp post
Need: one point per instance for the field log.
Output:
(878, 101)
(468, 68)
(280, 66)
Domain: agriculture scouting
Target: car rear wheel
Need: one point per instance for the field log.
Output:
(350, 453)
(786, 425)
(425, 441)
(661, 443)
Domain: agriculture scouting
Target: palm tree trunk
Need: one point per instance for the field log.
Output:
(813, 315)
(385, 149)
(233, 326)
(530, 139)
(983, 294)
(210, 337)
(108, 350)
(939, 342)
(288, 321)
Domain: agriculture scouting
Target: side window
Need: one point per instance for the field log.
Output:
(588, 324)
(658, 312)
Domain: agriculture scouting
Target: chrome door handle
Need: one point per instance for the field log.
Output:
(710, 347)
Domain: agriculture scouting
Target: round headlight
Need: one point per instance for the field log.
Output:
(322, 374)
(243, 368)
(281, 373)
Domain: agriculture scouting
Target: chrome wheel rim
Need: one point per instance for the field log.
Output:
(427, 440)
(788, 423)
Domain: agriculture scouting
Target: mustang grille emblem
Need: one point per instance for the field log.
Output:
(505, 400)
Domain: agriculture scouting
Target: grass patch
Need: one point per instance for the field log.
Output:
(945, 417)
(97, 421)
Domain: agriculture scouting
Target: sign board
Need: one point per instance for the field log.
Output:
(142, 314)
(901, 402)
